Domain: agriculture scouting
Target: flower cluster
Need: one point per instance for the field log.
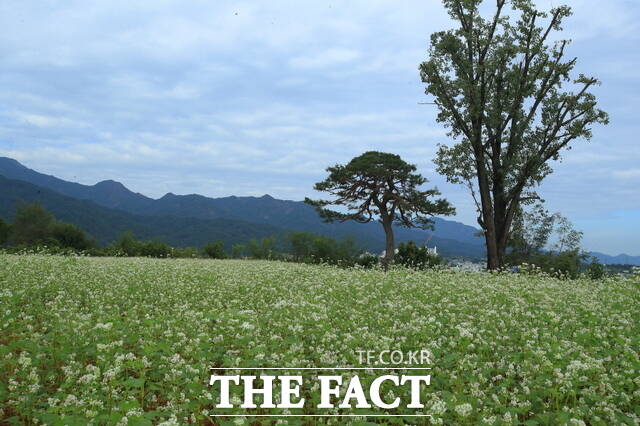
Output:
(131, 341)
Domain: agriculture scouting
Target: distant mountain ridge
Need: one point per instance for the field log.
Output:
(117, 209)
(452, 238)
(105, 224)
(108, 193)
(621, 259)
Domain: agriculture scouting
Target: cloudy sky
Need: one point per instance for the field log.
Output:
(247, 98)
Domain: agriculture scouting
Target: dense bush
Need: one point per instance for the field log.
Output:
(566, 264)
(155, 248)
(31, 226)
(412, 256)
(186, 253)
(70, 236)
(264, 248)
(128, 245)
(215, 250)
(368, 260)
(4, 232)
(238, 251)
(596, 270)
(312, 248)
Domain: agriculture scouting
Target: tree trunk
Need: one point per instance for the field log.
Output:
(488, 218)
(503, 240)
(390, 247)
(493, 257)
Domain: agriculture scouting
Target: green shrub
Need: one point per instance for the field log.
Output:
(596, 270)
(70, 236)
(412, 256)
(186, 253)
(238, 251)
(367, 260)
(313, 248)
(4, 232)
(564, 265)
(127, 245)
(215, 250)
(264, 248)
(155, 248)
(31, 226)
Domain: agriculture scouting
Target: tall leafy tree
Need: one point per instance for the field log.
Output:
(530, 233)
(383, 187)
(506, 93)
(569, 239)
(4, 232)
(70, 236)
(534, 229)
(31, 225)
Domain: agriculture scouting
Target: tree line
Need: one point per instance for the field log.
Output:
(34, 228)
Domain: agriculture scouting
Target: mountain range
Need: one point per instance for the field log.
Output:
(621, 259)
(108, 208)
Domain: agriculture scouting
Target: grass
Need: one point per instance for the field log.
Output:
(131, 341)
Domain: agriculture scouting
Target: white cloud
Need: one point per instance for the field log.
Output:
(41, 120)
(324, 59)
(628, 174)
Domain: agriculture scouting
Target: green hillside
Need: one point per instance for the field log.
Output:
(106, 224)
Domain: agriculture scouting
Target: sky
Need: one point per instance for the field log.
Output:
(259, 97)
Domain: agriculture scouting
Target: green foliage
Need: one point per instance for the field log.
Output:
(565, 265)
(238, 251)
(264, 248)
(412, 256)
(134, 338)
(504, 88)
(31, 225)
(5, 229)
(34, 226)
(70, 236)
(155, 248)
(367, 260)
(185, 252)
(380, 186)
(313, 248)
(619, 269)
(128, 245)
(568, 238)
(215, 250)
(596, 270)
(530, 236)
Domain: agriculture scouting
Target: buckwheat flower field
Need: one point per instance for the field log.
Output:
(132, 341)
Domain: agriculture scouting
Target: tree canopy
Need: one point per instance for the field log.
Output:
(383, 187)
(535, 231)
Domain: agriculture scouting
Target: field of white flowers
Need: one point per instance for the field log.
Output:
(131, 341)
